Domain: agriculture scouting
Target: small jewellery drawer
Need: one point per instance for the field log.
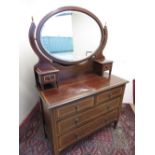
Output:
(83, 117)
(107, 66)
(106, 95)
(86, 129)
(48, 78)
(74, 107)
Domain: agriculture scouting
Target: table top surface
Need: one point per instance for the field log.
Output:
(77, 88)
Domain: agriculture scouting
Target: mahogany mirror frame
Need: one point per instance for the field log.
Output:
(35, 41)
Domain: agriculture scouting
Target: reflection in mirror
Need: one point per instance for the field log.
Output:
(70, 36)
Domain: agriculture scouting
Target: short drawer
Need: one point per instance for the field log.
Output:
(84, 117)
(74, 107)
(107, 66)
(86, 129)
(106, 95)
(48, 78)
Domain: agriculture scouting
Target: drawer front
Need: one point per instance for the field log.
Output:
(49, 78)
(74, 107)
(83, 117)
(107, 66)
(104, 96)
(85, 130)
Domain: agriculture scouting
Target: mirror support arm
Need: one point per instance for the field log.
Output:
(33, 44)
(100, 55)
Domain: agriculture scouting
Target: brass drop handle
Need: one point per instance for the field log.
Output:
(108, 107)
(76, 108)
(77, 136)
(76, 120)
(110, 95)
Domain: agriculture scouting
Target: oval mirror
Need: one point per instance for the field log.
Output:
(69, 36)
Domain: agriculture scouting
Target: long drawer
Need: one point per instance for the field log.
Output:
(74, 107)
(107, 95)
(85, 130)
(85, 116)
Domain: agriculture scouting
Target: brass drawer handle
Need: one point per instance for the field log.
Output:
(76, 120)
(76, 108)
(108, 107)
(105, 120)
(110, 95)
(77, 136)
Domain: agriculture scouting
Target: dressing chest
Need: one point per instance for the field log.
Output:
(77, 96)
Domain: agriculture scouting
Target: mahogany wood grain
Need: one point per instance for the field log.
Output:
(77, 88)
(75, 107)
(83, 102)
(80, 106)
(79, 133)
(81, 118)
(106, 95)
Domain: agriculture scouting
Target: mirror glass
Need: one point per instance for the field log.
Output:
(70, 36)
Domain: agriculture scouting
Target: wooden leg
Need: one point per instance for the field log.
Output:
(115, 124)
(109, 73)
(56, 152)
(43, 118)
(57, 84)
(42, 86)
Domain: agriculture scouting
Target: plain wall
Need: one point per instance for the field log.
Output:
(119, 48)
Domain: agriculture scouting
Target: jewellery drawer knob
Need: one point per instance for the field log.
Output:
(77, 136)
(46, 78)
(106, 67)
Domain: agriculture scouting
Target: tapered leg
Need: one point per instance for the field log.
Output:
(43, 118)
(115, 124)
(56, 152)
